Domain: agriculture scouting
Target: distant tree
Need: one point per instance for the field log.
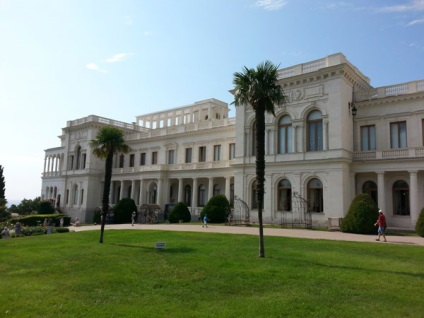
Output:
(260, 89)
(28, 206)
(2, 184)
(4, 213)
(108, 142)
(45, 207)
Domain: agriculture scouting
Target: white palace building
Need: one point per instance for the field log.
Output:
(336, 137)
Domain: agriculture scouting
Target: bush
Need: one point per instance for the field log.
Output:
(45, 207)
(362, 215)
(61, 230)
(38, 219)
(97, 215)
(123, 210)
(179, 212)
(217, 209)
(419, 227)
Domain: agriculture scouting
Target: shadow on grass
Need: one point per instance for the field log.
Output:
(174, 250)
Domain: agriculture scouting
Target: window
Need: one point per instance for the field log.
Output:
(188, 152)
(82, 196)
(67, 196)
(202, 154)
(398, 135)
(368, 138)
(315, 196)
(154, 157)
(142, 159)
(202, 195)
(75, 195)
(285, 135)
(132, 156)
(216, 152)
(71, 163)
(370, 188)
(232, 195)
(232, 151)
(78, 159)
(284, 195)
(121, 161)
(400, 198)
(171, 157)
(254, 198)
(187, 195)
(216, 189)
(314, 131)
(253, 140)
(84, 160)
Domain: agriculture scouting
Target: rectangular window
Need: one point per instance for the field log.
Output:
(154, 157)
(132, 156)
(217, 153)
(121, 161)
(82, 196)
(202, 154)
(142, 159)
(232, 151)
(188, 153)
(315, 136)
(368, 138)
(398, 135)
(171, 157)
(84, 160)
(71, 163)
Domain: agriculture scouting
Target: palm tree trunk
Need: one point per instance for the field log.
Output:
(106, 191)
(260, 172)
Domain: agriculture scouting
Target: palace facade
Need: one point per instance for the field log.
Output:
(337, 136)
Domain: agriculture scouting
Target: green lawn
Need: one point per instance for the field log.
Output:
(206, 275)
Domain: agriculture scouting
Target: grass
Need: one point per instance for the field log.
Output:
(206, 275)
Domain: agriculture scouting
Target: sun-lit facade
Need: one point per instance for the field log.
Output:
(337, 136)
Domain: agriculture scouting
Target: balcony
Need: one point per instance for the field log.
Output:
(404, 153)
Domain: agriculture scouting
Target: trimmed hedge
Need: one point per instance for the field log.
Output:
(123, 211)
(362, 215)
(217, 209)
(179, 212)
(419, 227)
(38, 219)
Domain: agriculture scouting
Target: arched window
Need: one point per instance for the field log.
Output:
(315, 196)
(201, 195)
(400, 194)
(187, 195)
(370, 188)
(253, 140)
(284, 195)
(254, 197)
(314, 131)
(216, 189)
(285, 135)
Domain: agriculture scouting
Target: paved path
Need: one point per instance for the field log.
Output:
(309, 234)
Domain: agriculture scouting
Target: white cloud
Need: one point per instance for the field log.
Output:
(271, 5)
(418, 21)
(118, 57)
(94, 67)
(415, 5)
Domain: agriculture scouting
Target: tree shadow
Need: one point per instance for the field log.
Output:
(172, 250)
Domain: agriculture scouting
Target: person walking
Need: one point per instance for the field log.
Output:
(381, 222)
(205, 221)
(133, 218)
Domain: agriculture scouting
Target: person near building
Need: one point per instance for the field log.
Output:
(381, 223)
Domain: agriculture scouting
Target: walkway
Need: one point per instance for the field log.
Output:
(299, 233)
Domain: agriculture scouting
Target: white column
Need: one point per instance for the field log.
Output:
(180, 190)
(45, 164)
(381, 197)
(352, 185)
(141, 194)
(159, 192)
(133, 190)
(194, 196)
(210, 188)
(121, 192)
(413, 197)
(228, 188)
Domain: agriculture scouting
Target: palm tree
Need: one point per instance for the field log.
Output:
(108, 142)
(260, 89)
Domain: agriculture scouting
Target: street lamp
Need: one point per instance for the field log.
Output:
(353, 109)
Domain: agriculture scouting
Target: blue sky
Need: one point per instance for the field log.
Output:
(65, 59)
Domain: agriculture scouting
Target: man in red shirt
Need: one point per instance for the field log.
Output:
(381, 222)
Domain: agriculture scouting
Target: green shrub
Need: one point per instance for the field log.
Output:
(217, 209)
(419, 227)
(123, 210)
(179, 212)
(45, 207)
(38, 219)
(61, 230)
(362, 215)
(97, 215)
